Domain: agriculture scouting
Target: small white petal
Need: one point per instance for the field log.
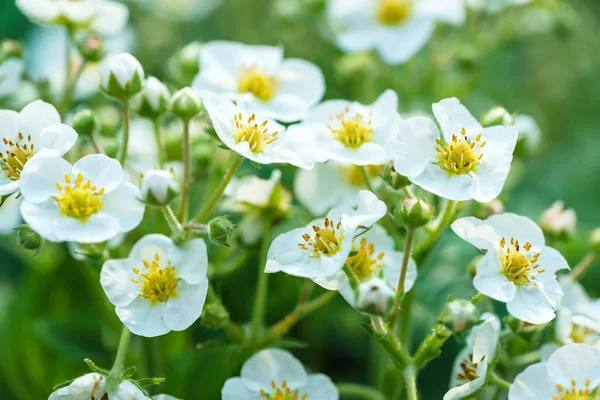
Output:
(531, 384)
(182, 311)
(320, 387)
(531, 305)
(273, 365)
(142, 318)
(578, 362)
(453, 117)
(100, 170)
(116, 280)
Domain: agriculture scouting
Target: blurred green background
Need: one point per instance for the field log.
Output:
(53, 312)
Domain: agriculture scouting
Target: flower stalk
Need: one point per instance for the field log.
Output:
(260, 300)
(125, 138)
(400, 289)
(185, 194)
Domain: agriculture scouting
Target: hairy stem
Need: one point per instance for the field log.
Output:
(161, 151)
(187, 176)
(172, 220)
(356, 391)
(260, 301)
(400, 288)
(410, 376)
(119, 364)
(498, 381)
(125, 138)
(580, 269)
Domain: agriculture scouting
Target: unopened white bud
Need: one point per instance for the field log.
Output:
(159, 188)
(375, 296)
(153, 100)
(459, 315)
(497, 116)
(558, 222)
(186, 104)
(121, 76)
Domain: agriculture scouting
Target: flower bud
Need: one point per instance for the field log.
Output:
(84, 122)
(375, 297)
(10, 49)
(490, 208)
(459, 315)
(595, 242)
(220, 230)
(558, 222)
(189, 58)
(353, 66)
(530, 134)
(158, 188)
(413, 213)
(153, 100)
(28, 238)
(121, 76)
(497, 116)
(186, 104)
(393, 178)
(526, 331)
(91, 47)
(214, 315)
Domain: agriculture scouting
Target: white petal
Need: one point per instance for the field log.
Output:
(450, 11)
(10, 215)
(464, 390)
(59, 137)
(102, 171)
(7, 186)
(35, 117)
(9, 127)
(234, 389)
(149, 246)
(485, 341)
(190, 260)
(490, 280)
(273, 365)
(41, 174)
(384, 110)
(552, 261)
(217, 81)
(523, 229)
(142, 318)
(301, 79)
(574, 293)
(369, 210)
(531, 384)
(531, 305)
(182, 311)
(453, 117)
(440, 182)
(476, 232)
(124, 206)
(116, 280)
(320, 387)
(578, 362)
(111, 19)
(416, 146)
(397, 45)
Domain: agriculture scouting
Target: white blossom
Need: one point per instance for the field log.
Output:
(94, 386)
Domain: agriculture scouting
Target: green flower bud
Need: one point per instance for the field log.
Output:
(186, 104)
(393, 178)
(189, 58)
(84, 122)
(90, 46)
(153, 100)
(413, 213)
(459, 315)
(595, 242)
(214, 315)
(28, 238)
(431, 347)
(121, 76)
(497, 116)
(10, 49)
(158, 188)
(220, 230)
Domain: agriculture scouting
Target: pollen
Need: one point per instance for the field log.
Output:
(363, 260)
(157, 284)
(324, 241)
(574, 393)
(351, 131)
(519, 264)
(583, 334)
(393, 12)
(461, 156)
(16, 155)
(79, 199)
(252, 80)
(256, 134)
(282, 392)
(468, 370)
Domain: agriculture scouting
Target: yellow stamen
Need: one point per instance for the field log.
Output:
(282, 392)
(460, 156)
(251, 80)
(326, 240)
(158, 284)
(16, 155)
(79, 201)
(393, 12)
(364, 262)
(517, 264)
(351, 131)
(574, 393)
(256, 135)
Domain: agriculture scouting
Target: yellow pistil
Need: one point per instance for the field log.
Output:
(582, 334)
(393, 12)
(325, 240)
(256, 135)
(16, 156)
(574, 393)
(460, 156)
(352, 174)
(363, 260)
(517, 265)
(352, 132)
(80, 200)
(262, 86)
(468, 370)
(158, 284)
(282, 393)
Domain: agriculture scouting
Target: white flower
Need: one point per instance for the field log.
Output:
(121, 75)
(375, 296)
(10, 216)
(259, 78)
(494, 6)
(276, 374)
(160, 288)
(103, 16)
(557, 221)
(471, 365)
(22, 135)
(85, 203)
(261, 140)
(158, 187)
(321, 248)
(153, 100)
(93, 386)
(331, 184)
(572, 372)
(396, 28)
(529, 131)
(578, 318)
(351, 132)
(466, 162)
(11, 71)
(517, 269)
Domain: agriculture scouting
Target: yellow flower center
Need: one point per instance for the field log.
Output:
(468, 370)
(583, 334)
(282, 393)
(325, 240)
(393, 12)
(363, 261)
(353, 175)
(574, 393)
(80, 200)
(251, 80)
(352, 132)
(516, 263)
(256, 135)
(158, 284)
(15, 158)
(460, 156)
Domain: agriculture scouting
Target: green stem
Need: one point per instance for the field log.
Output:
(67, 83)
(174, 224)
(365, 176)
(119, 365)
(583, 266)
(125, 139)
(399, 354)
(187, 164)
(498, 381)
(439, 225)
(404, 322)
(159, 144)
(356, 391)
(260, 301)
(408, 193)
(212, 203)
(410, 376)
(400, 289)
(70, 90)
